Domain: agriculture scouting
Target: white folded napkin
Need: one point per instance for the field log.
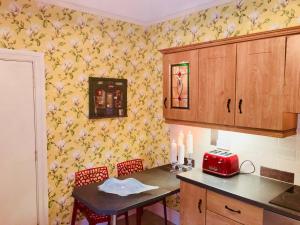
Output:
(124, 187)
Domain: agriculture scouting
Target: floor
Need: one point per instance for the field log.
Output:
(147, 219)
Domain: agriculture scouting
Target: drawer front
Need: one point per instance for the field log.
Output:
(215, 219)
(234, 209)
(192, 204)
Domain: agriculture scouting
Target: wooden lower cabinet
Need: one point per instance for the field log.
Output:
(193, 204)
(215, 219)
(199, 206)
(234, 209)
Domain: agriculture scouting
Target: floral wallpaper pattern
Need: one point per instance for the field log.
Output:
(78, 45)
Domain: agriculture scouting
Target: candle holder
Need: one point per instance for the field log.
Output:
(190, 162)
(173, 169)
(180, 167)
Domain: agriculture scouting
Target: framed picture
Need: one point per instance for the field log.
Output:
(107, 97)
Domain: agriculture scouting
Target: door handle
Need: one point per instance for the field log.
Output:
(240, 105)
(165, 102)
(228, 104)
(200, 205)
(232, 210)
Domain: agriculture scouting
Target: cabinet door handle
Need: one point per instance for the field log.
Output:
(232, 210)
(228, 104)
(165, 102)
(240, 105)
(200, 205)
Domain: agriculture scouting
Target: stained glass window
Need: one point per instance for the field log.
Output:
(180, 85)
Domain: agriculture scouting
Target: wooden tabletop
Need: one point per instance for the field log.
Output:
(110, 204)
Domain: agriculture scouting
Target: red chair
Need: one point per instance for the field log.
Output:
(133, 166)
(86, 177)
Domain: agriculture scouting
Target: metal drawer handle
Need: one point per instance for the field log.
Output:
(165, 102)
(200, 205)
(232, 210)
(228, 105)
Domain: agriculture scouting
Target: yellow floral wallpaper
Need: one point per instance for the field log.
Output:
(78, 45)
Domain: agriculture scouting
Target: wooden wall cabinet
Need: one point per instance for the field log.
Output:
(292, 75)
(171, 111)
(247, 84)
(217, 66)
(260, 83)
(192, 204)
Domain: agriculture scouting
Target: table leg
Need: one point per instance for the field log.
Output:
(113, 220)
(139, 212)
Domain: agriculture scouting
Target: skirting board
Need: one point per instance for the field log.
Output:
(173, 215)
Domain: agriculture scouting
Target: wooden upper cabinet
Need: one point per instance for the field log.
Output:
(292, 77)
(259, 83)
(247, 84)
(192, 204)
(180, 85)
(217, 70)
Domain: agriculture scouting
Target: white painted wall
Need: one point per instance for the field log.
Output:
(276, 153)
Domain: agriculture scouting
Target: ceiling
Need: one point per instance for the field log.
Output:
(143, 12)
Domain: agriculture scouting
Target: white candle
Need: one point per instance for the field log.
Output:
(180, 138)
(181, 154)
(189, 143)
(173, 152)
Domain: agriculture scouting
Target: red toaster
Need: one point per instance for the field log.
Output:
(220, 162)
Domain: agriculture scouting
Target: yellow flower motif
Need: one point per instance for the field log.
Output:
(78, 45)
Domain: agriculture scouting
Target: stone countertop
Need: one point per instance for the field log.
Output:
(252, 189)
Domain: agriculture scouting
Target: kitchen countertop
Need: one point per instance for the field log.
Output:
(252, 189)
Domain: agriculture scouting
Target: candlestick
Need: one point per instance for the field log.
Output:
(173, 155)
(189, 143)
(180, 138)
(173, 152)
(181, 153)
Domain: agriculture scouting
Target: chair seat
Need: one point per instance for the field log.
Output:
(95, 218)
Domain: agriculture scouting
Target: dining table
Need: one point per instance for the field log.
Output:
(103, 203)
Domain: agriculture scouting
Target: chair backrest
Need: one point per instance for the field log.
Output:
(129, 167)
(89, 176)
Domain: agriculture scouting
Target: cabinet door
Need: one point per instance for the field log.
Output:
(234, 209)
(292, 74)
(181, 85)
(217, 69)
(215, 219)
(260, 80)
(192, 204)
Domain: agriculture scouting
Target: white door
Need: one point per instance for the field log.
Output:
(18, 177)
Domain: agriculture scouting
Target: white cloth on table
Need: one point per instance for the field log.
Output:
(124, 187)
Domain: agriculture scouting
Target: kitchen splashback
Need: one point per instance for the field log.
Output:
(276, 153)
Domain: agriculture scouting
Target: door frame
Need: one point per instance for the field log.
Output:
(37, 60)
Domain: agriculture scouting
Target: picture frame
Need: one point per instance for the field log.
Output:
(107, 98)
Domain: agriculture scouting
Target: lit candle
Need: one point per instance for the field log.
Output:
(180, 138)
(173, 152)
(189, 143)
(181, 153)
